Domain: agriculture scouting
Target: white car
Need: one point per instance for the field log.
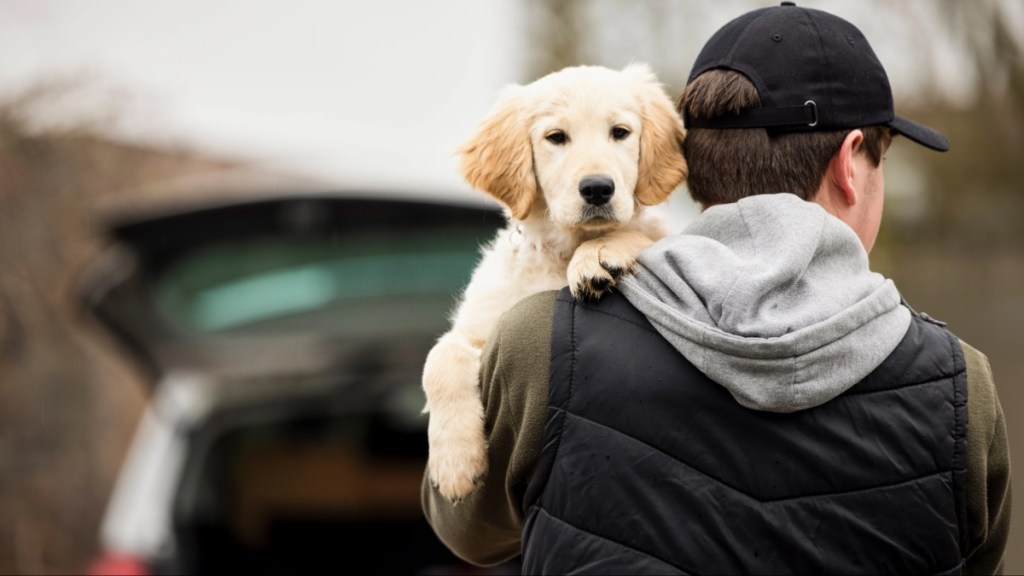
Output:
(285, 333)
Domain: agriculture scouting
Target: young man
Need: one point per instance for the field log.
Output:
(754, 399)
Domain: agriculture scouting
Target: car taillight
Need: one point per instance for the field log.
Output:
(113, 564)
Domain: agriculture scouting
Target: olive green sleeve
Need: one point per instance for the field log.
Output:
(485, 528)
(988, 469)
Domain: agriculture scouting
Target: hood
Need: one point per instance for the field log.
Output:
(772, 298)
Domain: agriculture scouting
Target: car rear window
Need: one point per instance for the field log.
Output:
(371, 283)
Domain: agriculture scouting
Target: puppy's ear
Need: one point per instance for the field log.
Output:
(662, 166)
(498, 158)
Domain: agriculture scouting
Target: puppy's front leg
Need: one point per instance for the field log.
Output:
(597, 264)
(455, 432)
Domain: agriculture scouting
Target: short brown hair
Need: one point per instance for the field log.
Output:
(729, 164)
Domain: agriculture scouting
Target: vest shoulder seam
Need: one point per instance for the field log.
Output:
(941, 378)
(591, 310)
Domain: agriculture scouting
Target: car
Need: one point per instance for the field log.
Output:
(283, 332)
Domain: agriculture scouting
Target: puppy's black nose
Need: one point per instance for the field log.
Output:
(597, 190)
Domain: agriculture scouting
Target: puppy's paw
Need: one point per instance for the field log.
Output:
(458, 457)
(590, 283)
(595, 268)
(617, 259)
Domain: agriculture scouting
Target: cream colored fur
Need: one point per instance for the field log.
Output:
(616, 124)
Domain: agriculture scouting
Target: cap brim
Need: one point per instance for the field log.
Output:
(921, 134)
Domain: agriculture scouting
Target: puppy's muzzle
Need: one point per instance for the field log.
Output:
(597, 190)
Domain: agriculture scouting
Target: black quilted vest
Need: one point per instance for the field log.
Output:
(648, 467)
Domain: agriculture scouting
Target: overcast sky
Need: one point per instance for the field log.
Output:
(342, 89)
(346, 90)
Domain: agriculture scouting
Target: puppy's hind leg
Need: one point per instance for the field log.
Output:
(455, 432)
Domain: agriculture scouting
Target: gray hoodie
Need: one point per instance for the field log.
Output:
(771, 297)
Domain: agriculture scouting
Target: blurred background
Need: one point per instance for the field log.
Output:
(101, 99)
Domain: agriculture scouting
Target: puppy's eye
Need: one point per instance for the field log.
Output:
(557, 137)
(620, 132)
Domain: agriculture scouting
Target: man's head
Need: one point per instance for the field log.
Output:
(776, 96)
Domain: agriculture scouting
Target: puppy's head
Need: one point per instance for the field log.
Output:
(587, 144)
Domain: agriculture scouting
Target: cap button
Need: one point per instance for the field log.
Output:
(789, 3)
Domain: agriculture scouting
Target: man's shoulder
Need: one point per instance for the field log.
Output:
(516, 359)
(529, 315)
(974, 356)
(523, 331)
(981, 387)
(981, 390)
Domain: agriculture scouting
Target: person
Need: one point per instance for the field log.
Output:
(754, 399)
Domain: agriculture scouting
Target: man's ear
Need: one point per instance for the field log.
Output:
(841, 167)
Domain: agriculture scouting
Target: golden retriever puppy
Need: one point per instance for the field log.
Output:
(574, 158)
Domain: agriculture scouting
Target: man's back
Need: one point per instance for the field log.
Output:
(650, 467)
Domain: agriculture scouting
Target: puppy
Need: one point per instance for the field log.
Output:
(574, 158)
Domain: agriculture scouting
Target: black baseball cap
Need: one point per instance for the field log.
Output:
(812, 70)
